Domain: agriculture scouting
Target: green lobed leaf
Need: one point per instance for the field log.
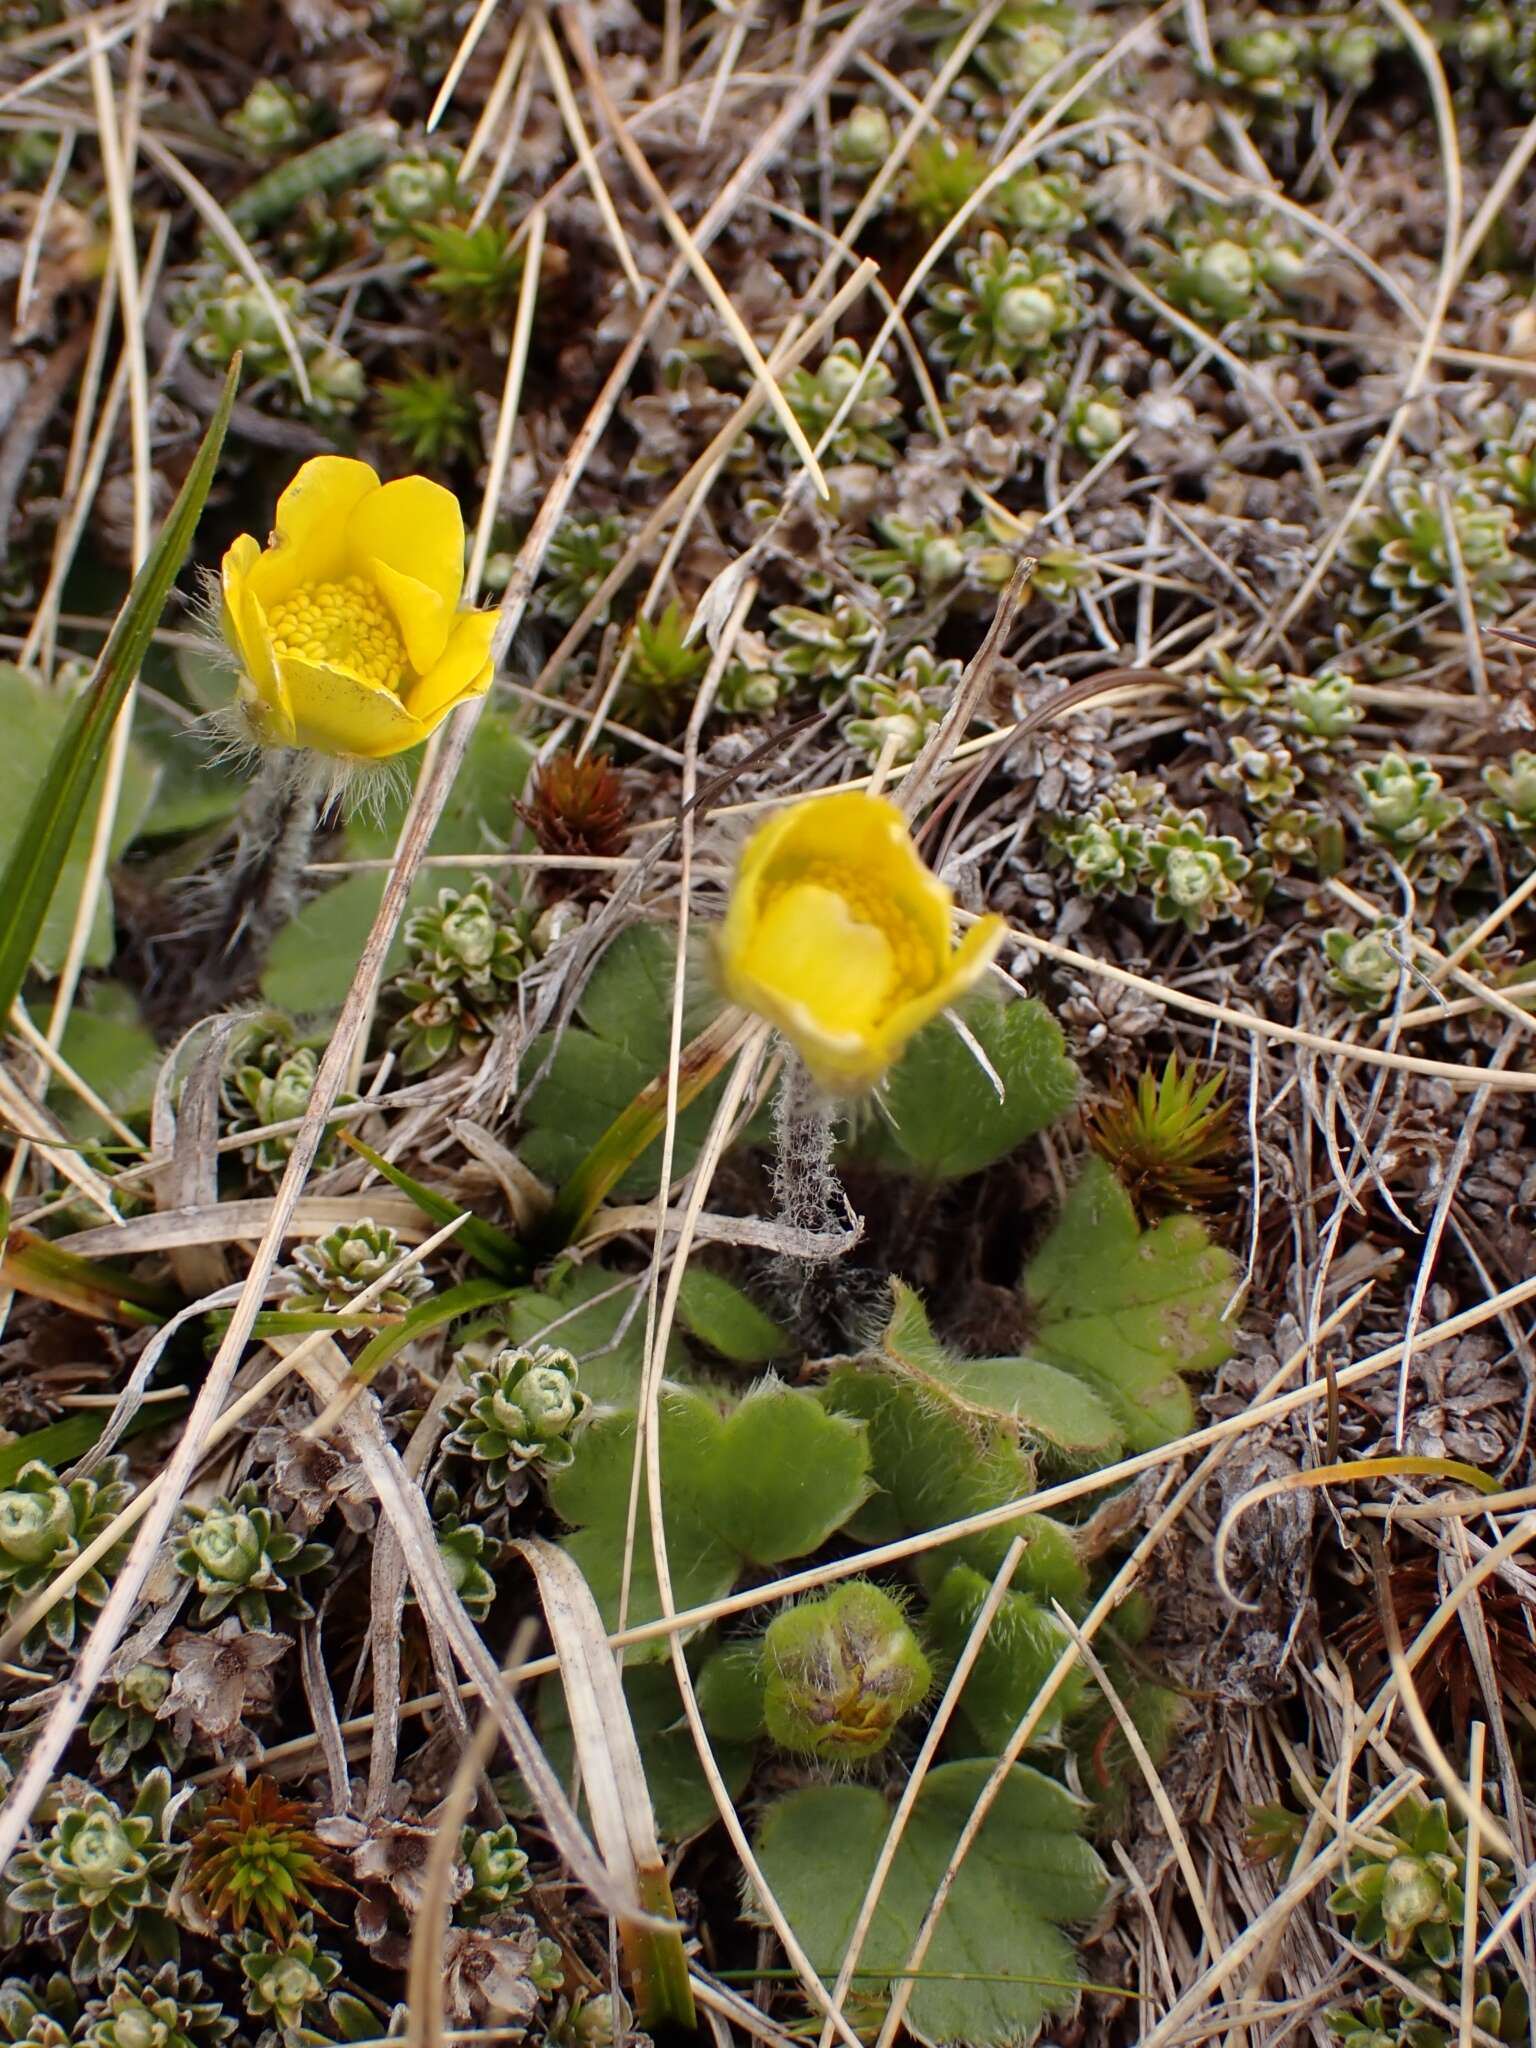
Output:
(945, 1119)
(770, 1480)
(681, 1799)
(593, 1494)
(607, 1338)
(1129, 1311)
(1056, 1414)
(596, 1069)
(999, 1962)
(39, 850)
(1020, 1650)
(1063, 1421)
(939, 1455)
(35, 721)
(715, 1311)
(108, 1044)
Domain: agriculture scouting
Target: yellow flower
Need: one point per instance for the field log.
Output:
(839, 935)
(347, 624)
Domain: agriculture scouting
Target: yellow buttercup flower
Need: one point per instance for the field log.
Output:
(347, 624)
(839, 936)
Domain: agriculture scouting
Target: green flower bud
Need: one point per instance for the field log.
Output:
(1350, 54)
(1410, 1895)
(1260, 54)
(146, 1686)
(414, 189)
(1099, 856)
(228, 1547)
(137, 2027)
(1225, 272)
(98, 1852)
(546, 1971)
(469, 932)
(497, 1866)
(1512, 803)
(548, 1400)
(1364, 970)
(1026, 316)
(838, 375)
(864, 140)
(271, 117)
(1096, 426)
(1282, 266)
(555, 924)
(1324, 705)
(291, 1984)
(940, 561)
(35, 1526)
(1191, 876)
(291, 1086)
(594, 2023)
(337, 381)
(841, 1673)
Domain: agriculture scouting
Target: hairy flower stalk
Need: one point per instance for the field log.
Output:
(258, 892)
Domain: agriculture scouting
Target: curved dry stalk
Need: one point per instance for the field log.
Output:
(965, 1663)
(424, 1971)
(135, 1510)
(1469, 1806)
(1166, 1810)
(1453, 260)
(1265, 1411)
(95, 1653)
(1460, 1077)
(1022, 153)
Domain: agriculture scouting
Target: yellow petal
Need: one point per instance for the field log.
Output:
(309, 539)
(420, 614)
(268, 714)
(969, 962)
(338, 714)
(464, 671)
(810, 949)
(260, 693)
(416, 527)
(864, 836)
(839, 935)
(234, 573)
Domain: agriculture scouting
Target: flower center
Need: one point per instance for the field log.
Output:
(834, 944)
(346, 625)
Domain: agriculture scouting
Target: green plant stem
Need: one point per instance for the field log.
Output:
(260, 889)
(702, 1060)
(657, 1960)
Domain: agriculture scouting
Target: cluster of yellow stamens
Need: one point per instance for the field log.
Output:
(345, 625)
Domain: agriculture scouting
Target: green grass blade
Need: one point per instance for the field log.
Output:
(60, 1443)
(467, 1299)
(492, 1250)
(32, 873)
